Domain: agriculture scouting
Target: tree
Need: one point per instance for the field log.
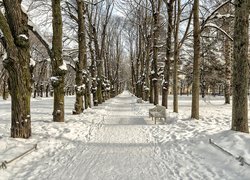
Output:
(176, 55)
(14, 27)
(156, 6)
(240, 67)
(58, 66)
(228, 57)
(196, 64)
(165, 87)
(96, 26)
(82, 59)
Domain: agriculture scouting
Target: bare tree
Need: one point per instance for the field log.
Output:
(228, 56)
(81, 64)
(176, 54)
(16, 42)
(165, 86)
(240, 67)
(99, 45)
(156, 6)
(196, 64)
(58, 66)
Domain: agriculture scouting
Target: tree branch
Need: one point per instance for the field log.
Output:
(41, 39)
(4, 26)
(209, 17)
(218, 28)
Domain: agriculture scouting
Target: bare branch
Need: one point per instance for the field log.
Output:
(211, 15)
(218, 28)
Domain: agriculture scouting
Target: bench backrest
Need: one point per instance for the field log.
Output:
(139, 100)
(160, 109)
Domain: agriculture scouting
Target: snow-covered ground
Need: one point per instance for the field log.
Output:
(117, 140)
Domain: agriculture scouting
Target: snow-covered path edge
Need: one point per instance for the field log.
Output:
(53, 139)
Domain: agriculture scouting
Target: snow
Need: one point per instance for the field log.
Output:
(63, 66)
(5, 55)
(32, 62)
(220, 16)
(220, 29)
(76, 59)
(24, 9)
(24, 36)
(81, 88)
(53, 78)
(117, 140)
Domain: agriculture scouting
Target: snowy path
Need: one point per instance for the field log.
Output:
(125, 147)
(120, 149)
(117, 141)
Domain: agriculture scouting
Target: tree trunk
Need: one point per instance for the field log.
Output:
(151, 90)
(147, 70)
(58, 71)
(156, 25)
(47, 90)
(133, 76)
(99, 82)
(117, 64)
(81, 73)
(240, 67)
(165, 87)
(196, 64)
(15, 30)
(228, 59)
(176, 57)
(41, 90)
(5, 89)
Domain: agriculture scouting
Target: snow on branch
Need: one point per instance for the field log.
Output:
(211, 15)
(221, 16)
(63, 66)
(218, 28)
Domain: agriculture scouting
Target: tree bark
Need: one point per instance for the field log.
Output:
(5, 89)
(15, 30)
(165, 87)
(156, 26)
(82, 60)
(57, 61)
(196, 63)
(228, 60)
(240, 67)
(176, 57)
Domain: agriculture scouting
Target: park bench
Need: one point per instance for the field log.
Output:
(157, 112)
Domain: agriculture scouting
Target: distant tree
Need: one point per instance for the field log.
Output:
(14, 26)
(98, 22)
(227, 54)
(176, 55)
(240, 66)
